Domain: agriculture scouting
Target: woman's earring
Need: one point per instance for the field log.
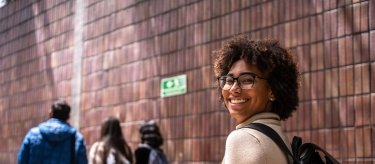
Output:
(272, 97)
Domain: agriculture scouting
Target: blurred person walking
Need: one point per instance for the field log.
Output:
(149, 151)
(54, 141)
(112, 147)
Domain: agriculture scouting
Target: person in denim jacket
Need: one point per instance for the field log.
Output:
(53, 140)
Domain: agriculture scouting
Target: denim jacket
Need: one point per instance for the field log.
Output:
(50, 142)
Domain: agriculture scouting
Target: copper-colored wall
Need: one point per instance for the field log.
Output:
(130, 45)
(36, 45)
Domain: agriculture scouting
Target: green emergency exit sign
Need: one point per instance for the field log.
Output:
(173, 86)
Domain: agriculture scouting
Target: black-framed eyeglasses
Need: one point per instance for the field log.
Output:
(244, 81)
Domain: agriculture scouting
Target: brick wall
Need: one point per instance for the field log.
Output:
(36, 44)
(129, 46)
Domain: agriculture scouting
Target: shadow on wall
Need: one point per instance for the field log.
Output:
(35, 59)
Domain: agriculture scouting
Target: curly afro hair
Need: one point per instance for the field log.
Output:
(272, 60)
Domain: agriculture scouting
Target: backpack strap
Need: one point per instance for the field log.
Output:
(72, 148)
(272, 134)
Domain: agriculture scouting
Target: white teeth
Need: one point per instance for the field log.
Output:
(237, 101)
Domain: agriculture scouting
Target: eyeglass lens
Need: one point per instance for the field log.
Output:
(245, 81)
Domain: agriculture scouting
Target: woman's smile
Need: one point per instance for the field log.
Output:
(238, 100)
(237, 104)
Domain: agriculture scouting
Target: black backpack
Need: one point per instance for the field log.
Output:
(307, 153)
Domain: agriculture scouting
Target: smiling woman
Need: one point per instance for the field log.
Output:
(257, 83)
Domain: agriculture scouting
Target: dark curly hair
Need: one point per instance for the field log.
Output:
(272, 60)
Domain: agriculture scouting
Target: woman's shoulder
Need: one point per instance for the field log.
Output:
(242, 146)
(254, 141)
(96, 154)
(112, 157)
(96, 147)
(247, 136)
(256, 135)
(244, 134)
